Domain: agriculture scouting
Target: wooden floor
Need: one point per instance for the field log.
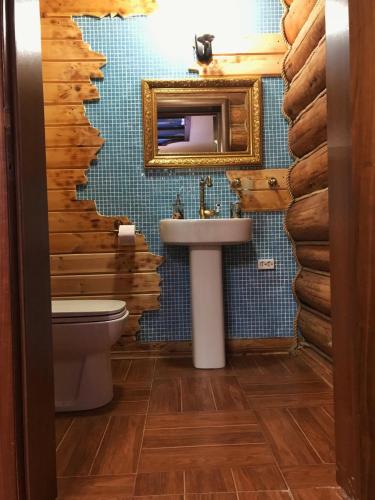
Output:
(260, 429)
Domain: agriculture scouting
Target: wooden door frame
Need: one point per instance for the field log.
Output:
(351, 151)
(27, 451)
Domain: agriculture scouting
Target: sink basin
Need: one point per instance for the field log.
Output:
(205, 238)
(205, 231)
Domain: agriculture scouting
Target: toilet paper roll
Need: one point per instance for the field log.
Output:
(126, 235)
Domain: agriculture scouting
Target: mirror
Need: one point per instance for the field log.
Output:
(202, 123)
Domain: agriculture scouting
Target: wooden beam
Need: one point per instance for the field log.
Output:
(296, 17)
(97, 8)
(310, 173)
(310, 128)
(314, 290)
(260, 43)
(315, 257)
(308, 83)
(307, 218)
(243, 65)
(306, 41)
(316, 329)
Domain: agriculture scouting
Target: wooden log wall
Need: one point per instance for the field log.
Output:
(305, 105)
(85, 258)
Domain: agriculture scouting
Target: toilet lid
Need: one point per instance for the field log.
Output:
(85, 309)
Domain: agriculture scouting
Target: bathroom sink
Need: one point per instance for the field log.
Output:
(205, 231)
(205, 238)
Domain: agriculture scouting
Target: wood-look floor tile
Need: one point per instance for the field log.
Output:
(119, 450)
(196, 394)
(165, 396)
(290, 400)
(265, 495)
(258, 478)
(209, 481)
(211, 496)
(164, 459)
(131, 392)
(160, 497)
(272, 364)
(290, 388)
(141, 371)
(298, 368)
(318, 494)
(78, 449)
(96, 486)
(319, 365)
(228, 394)
(288, 443)
(246, 366)
(201, 436)
(183, 367)
(159, 483)
(310, 476)
(330, 410)
(201, 419)
(117, 407)
(120, 368)
(318, 427)
(62, 424)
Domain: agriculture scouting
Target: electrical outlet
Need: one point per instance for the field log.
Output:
(264, 264)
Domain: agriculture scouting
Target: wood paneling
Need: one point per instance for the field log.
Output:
(86, 260)
(256, 194)
(98, 8)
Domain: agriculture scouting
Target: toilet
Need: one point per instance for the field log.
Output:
(83, 332)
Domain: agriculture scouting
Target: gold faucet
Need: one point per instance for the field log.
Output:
(205, 213)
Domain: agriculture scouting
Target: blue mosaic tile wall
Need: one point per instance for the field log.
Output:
(258, 303)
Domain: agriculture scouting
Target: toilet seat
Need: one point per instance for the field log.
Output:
(87, 311)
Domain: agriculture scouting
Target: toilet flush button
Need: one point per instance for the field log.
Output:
(264, 264)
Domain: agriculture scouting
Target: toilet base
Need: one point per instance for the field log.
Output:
(83, 383)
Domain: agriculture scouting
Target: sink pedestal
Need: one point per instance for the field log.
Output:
(207, 306)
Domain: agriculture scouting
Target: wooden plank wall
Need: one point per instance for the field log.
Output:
(305, 104)
(85, 258)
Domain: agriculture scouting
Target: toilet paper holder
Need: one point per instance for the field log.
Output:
(117, 223)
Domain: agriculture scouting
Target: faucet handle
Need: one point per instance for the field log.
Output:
(218, 207)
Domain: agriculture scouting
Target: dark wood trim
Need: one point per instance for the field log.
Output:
(351, 149)
(183, 349)
(25, 228)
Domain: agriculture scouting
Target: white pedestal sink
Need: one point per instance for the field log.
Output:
(205, 237)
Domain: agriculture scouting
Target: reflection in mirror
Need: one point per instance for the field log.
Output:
(201, 122)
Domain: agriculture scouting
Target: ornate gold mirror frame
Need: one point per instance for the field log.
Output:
(154, 89)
